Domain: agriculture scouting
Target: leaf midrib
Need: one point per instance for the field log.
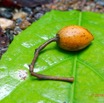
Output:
(74, 66)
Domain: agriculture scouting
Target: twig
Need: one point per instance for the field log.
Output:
(45, 77)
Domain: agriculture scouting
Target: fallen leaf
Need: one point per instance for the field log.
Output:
(86, 66)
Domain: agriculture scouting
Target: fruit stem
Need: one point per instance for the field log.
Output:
(41, 76)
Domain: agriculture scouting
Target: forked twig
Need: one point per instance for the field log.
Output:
(41, 76)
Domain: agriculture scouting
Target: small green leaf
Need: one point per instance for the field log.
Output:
(86, 66)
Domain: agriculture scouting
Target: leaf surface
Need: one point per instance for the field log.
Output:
(86, 66)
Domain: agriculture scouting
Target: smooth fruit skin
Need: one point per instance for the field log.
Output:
(74, 38)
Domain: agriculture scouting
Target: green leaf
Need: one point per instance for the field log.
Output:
(86, 66)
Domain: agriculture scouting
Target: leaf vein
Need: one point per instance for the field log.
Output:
(74, 65)
(91, 68)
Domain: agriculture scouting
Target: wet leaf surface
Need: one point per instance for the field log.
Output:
(86, 66)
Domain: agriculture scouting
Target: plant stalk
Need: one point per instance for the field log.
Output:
(41, 76)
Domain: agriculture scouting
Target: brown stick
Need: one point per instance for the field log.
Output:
(45, 77)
